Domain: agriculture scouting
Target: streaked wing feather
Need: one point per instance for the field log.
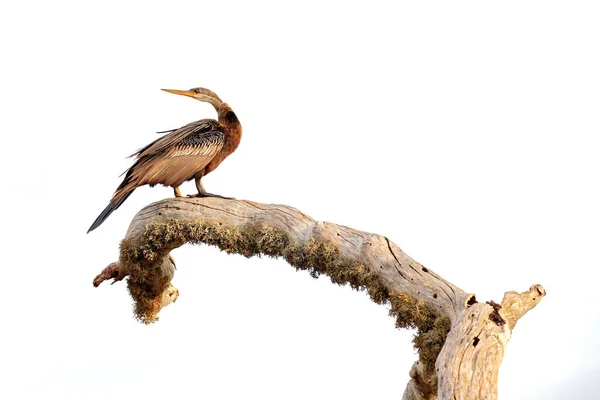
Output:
(197, 128)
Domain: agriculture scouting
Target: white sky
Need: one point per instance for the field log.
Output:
(465, 133)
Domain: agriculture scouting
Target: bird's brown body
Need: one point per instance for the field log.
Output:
(189, 152)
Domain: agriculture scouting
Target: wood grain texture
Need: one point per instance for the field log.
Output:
(467, 367)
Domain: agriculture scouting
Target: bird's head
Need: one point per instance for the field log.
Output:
(201, 94)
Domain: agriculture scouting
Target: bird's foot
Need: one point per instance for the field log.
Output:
(206, 194)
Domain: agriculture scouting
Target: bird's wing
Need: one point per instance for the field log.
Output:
(195, 129)
(176, 157)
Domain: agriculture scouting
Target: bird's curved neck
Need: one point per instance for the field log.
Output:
(233, 128)
(227, 117)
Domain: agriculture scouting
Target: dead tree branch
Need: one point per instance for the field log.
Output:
(461, 342)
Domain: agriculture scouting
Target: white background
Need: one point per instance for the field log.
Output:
(464, 131)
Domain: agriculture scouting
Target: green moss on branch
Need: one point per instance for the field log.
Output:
(431, 327)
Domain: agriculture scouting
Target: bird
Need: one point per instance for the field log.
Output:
(190, 152)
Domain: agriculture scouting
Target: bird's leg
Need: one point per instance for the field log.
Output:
(204, 193)
(199, 185)
(177, 192)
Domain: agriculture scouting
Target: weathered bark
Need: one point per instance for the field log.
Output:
(467, 366)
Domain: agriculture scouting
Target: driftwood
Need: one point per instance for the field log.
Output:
(460, 341)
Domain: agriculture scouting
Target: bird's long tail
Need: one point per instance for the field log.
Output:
(116, 201)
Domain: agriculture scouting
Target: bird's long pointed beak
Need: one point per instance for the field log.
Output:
(188, 93)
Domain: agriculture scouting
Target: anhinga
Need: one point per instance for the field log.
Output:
(189, 152)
